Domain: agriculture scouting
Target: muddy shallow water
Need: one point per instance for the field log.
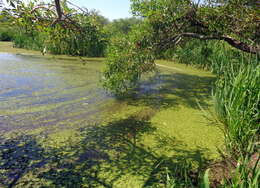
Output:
(59, 128)
(38, 91)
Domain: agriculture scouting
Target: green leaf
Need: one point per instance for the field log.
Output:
(206, 183)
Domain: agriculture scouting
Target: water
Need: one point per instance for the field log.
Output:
(59, 124)
(39, 91)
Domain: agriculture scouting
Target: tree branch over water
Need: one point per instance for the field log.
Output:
(172, 21)
(231, 41)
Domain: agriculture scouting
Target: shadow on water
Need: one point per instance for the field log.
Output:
(18, 156)
(104, 155)
(110, 154)
(173, 90)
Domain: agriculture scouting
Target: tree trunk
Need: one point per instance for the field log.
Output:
(58, 9)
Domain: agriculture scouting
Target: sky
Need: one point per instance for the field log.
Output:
(111, 9)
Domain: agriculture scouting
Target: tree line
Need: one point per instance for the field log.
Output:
(60, 27)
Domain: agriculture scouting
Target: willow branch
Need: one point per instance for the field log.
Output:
(254, 49)
(231, 41)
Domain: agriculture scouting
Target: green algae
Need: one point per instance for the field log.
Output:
(81, 136)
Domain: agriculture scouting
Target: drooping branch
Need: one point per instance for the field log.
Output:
(231, 41)
(46, 7)
(191, 22)
(242, 45)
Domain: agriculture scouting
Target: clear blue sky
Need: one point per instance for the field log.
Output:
(112, 9)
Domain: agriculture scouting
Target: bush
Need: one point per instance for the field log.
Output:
(87, 39)
(6, 36)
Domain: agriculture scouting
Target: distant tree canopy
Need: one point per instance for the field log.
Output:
(169, 23)
(123, 25)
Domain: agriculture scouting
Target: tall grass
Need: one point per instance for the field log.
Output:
(246, 175)
(237, 105)
(28, 41)
(236, 101)
(88, 42)
(62, 41)
(85, 39)
(237, 90)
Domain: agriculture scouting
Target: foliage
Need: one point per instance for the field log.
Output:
(237, 98)
(127, 61)
(247, 174)
(206, 183)
(164, 31)
(6, 35)
(122, 26)
(237, 92)
(174, 21)
(194, 52)
(75, 34)
(168, 26)
(87, 41)
(169, 23)
(6, 31)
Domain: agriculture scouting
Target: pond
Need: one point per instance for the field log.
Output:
(60, 128)
(40, 92)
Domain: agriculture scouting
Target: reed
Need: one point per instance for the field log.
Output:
(236, 99)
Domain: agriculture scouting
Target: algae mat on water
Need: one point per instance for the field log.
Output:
(59, 128)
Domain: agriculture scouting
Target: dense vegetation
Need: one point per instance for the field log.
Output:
(236, 101)
(6, 31)
(212, 35)
(81, 32)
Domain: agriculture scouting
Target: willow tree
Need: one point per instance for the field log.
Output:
(167, 23)
(58, 26)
